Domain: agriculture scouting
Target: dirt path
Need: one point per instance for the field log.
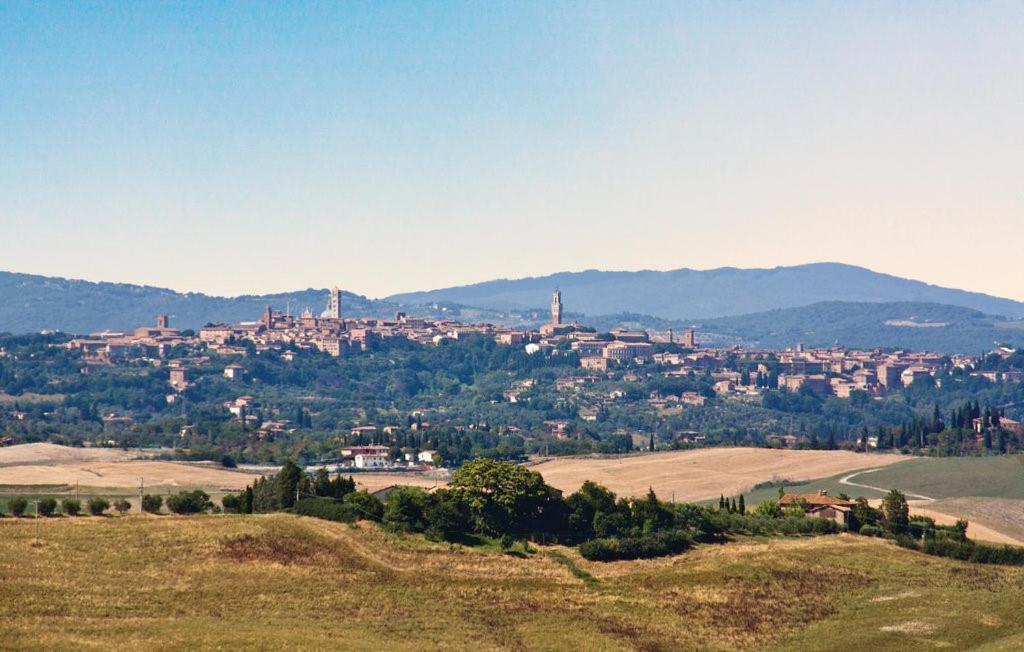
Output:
(846, 480)
(337, 531)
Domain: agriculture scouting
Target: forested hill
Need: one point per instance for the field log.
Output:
(687, 293)
(905, 325)
(32, 303)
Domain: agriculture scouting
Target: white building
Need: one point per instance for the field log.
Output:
(371, 461)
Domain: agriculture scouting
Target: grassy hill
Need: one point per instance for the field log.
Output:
(288, 582)
(688, 293)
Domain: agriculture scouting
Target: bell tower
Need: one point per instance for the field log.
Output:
(334, 303)
(556, 308)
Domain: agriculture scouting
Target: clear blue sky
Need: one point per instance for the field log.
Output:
(384, 147)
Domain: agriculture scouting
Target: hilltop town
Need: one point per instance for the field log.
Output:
(426, 392)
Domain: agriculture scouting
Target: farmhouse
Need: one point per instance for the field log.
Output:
(820, 505)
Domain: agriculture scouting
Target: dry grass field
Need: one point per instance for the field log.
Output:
(703, 473)
(42, 453)
(1003, 514)
(280, 581)
(125, 474)
(111, 469)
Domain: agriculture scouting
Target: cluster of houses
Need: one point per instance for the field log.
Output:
(375, 457)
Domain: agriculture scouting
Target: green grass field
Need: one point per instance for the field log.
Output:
(271, 582)
(953, 477)
(947, 477)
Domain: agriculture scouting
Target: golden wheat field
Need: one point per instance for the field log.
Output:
(287, 582)
(703, 473)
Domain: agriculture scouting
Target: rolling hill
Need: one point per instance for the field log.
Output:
(904, 325)
(32, 303)
(687, 293)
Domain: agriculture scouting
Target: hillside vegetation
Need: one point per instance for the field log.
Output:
(285, 581)
(688, 293)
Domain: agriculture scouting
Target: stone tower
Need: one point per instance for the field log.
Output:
(334, 303)
(556, 308)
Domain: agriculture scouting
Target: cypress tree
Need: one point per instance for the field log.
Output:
(742, 506)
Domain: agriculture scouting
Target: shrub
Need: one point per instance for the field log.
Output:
(233, 504)
(972, 551)
(361, 506)
(47, 506)
(447, 516)
(906, 541)
(658, 544)
(152, 503)
(325, 508)
(18, 506)
(871, 531)
(228, 462)
(406, 510)
(98, 505)
(122, 506)
(506, 542)
(189, 502)
(71, 506)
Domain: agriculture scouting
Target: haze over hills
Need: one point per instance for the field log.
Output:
(33, 303)
(687, 293)
(30, 303)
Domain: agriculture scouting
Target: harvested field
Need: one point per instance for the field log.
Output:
(287, 582)
(992, 519)
(42, 453)
(374, 481)
(110, 468)
(125, 474)
(704, 473)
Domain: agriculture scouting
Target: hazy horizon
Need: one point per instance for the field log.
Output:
(327, 285)
(250, 148)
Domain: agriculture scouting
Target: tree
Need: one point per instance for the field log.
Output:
(768, 509)
(233, 503)
(152, 503)
(189, 502)
(98, 505)
(895, 510)
(742, 506)
(288, 479)
(503, 498)
(18, 506)
(47, 506)
(71, 506)
(406, 510)
(447, 516)
(122, 506)
(361, 506)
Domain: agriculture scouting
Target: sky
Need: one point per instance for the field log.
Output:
(384, 147)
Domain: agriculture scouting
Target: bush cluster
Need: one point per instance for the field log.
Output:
(973, 551)
(658, 544)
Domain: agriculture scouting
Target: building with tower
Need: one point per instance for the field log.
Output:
(556, 327)
(556, 308)
(334, 303)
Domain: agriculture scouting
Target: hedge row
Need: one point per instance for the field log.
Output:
(974, 551)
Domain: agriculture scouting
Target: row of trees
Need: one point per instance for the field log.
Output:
(50, 507)
(509, 502)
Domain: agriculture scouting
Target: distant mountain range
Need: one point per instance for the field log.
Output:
(688, 294)
(813, 304)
